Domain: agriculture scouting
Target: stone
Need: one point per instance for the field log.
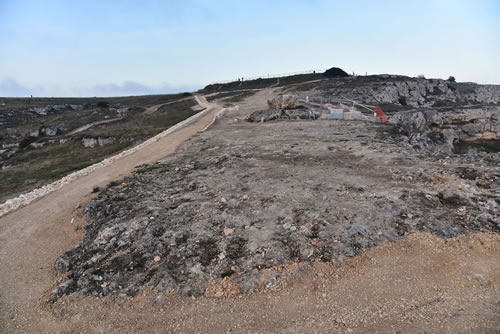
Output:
(288, 101)
(273, 104)
(105, 141)
(228, 231)
(89, 142)
(37, 145)
(35, 133)
(50, 131)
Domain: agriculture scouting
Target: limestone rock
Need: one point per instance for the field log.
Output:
(93, 142)
(286, 101)
(445, 128)
(89, 142)
(273, 104)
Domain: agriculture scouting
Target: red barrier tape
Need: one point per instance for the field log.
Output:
(380, 114)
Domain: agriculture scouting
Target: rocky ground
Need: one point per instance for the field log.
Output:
(228, 212)
(402, 91)
(420, 284)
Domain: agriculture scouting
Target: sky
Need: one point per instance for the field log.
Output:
(111, 48)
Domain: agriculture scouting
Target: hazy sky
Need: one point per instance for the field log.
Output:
(106, 47)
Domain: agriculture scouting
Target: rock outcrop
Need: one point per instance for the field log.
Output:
(271, 115)
(413, 92)
(447, 127)
(286, 101)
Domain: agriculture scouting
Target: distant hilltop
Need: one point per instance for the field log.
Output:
(391, 89)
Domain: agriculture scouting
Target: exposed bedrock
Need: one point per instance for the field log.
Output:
(414, 92)
(447, 127)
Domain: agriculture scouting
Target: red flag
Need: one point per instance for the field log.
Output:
(380, 114)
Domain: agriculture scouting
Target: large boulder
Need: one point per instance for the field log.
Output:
(286, 101)
(274, 104)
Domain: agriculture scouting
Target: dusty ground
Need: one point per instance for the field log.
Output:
(418, 284)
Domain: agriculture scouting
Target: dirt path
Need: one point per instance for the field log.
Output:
(88, 126)
(32, 237)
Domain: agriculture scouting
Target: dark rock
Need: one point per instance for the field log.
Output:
(335, 72)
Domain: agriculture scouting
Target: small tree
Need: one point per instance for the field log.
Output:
(27, 141)
(451, 79)
(103, 104)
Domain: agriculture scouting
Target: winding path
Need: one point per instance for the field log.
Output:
(88, 126)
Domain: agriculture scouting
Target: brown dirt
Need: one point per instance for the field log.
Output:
(419, 284)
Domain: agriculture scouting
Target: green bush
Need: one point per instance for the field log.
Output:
(103, 104)
(27, 141)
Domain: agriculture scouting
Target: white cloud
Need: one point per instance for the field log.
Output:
(136, 88)
(12, 88)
